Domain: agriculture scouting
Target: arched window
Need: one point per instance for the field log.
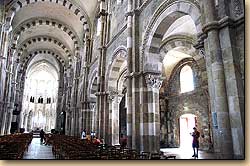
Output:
(186, 79)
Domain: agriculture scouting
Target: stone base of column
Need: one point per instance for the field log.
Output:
(150, 144)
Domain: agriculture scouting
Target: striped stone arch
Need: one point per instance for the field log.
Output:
(118, 58)
(18, 5)
(32, 54)
(49, 39)
(45, 21)
(165, 15)
(183, 41)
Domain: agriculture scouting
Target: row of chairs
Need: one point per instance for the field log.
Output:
(13, 146)
(69, 147)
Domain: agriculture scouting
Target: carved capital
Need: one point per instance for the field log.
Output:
(153, 80)
(112, 95)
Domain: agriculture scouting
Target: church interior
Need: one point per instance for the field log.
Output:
(122, 79)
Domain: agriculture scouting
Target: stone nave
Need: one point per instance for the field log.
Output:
(149, 70)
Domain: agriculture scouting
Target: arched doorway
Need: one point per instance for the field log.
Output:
(187, 122)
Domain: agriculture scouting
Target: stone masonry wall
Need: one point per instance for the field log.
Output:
(177, 104)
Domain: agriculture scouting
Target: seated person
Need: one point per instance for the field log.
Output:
(88, 137)
(96, 141)
(123, 141)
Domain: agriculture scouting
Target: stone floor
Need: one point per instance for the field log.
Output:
(38, 151)
(186, 153)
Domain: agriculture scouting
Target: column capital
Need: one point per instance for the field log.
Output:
(213, 25)
(200, 47)
(153, 80)
(112, 94)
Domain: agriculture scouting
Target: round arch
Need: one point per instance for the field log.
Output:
(166, 14)
(37, 22)
(34, 40)
(113, 70)
(79, 12)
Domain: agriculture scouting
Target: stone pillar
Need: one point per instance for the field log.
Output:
(216, 81)
(115, 100)
(233, 76)
(62, 104)
(85, 117)
(8, 105)
(74, 98)
(130, 128)
(151, 115)
(101, 94)
(68, 99)
(133, 76)
(3, 74)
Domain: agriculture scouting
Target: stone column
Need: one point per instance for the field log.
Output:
(108, 132)
(233, 75)
(216, 81)
(133, 76)
(3, 74)
(14, 94)
(101, 94)
(130, 128)
(115, 100)
(68, 99)
(86, 115)
(62, 104)
(8, 106)
(151, 115)
(74, 98)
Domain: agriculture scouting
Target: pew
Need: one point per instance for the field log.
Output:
(13, 146)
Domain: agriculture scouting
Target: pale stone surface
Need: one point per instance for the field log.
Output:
(123, 54)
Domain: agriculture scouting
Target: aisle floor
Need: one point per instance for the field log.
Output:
(38, 151)
(186, 153)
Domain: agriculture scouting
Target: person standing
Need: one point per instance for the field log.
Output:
(83, 136)
(42, 133)
(195, 143)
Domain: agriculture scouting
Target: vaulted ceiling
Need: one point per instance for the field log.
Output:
(49, 26)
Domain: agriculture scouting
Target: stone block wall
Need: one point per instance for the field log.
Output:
(118, 19)
(176, 104)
